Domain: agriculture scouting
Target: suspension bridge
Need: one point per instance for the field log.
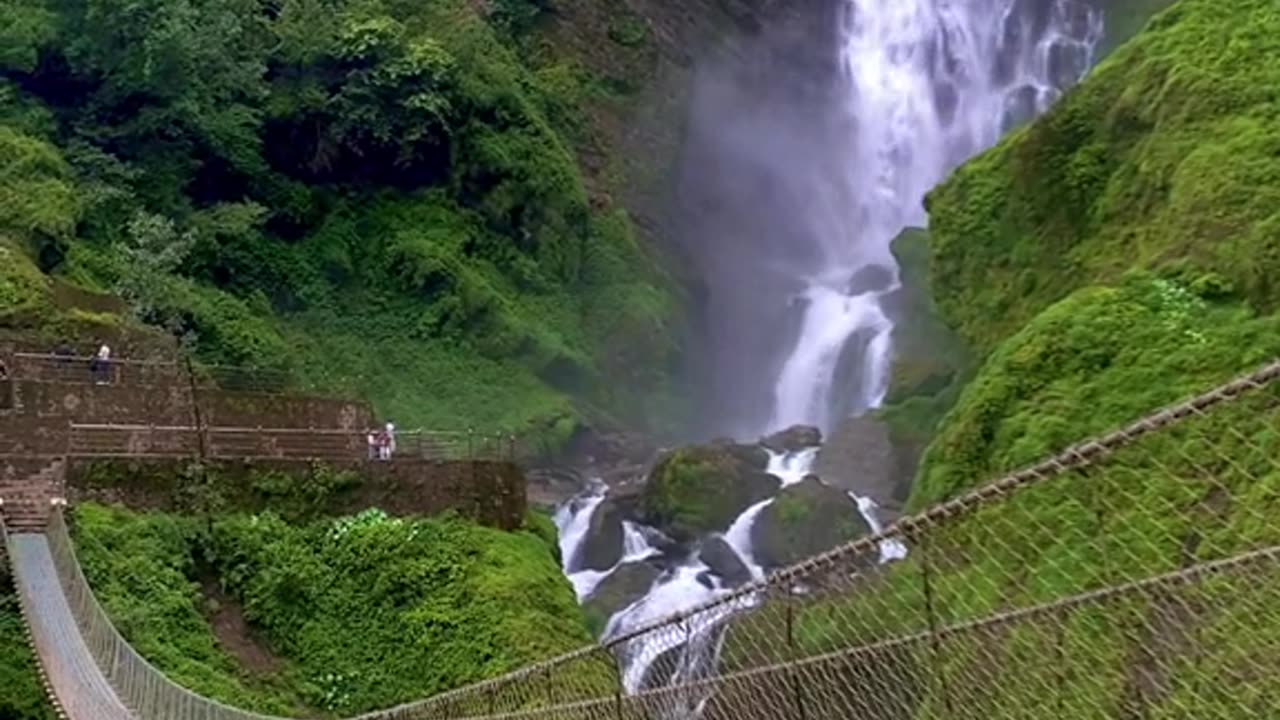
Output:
(1133, 575)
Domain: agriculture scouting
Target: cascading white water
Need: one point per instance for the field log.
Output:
(927, 84)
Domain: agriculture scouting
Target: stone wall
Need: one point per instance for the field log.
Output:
(489, 492)
(178, 405)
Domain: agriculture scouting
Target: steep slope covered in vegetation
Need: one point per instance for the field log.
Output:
(379, 196)
(357, 613)
(1119, 253)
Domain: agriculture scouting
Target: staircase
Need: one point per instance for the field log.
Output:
(27, 492)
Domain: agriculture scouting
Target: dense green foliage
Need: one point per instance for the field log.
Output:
(365, 611)
(1199, 491)
(142, 567)
(1096, 361)
(22, 696)
(377, 195)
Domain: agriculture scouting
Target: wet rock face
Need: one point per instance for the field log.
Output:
(793, 439)
(703, 489)
(603, 545)
(860, 457)
(723, 560)
(622, 587)
(807, 518)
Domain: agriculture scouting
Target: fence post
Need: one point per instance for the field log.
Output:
(797, 688)
(1060, 660)
(935, 642)
(470, 444)
(202, 440)
(551, 697)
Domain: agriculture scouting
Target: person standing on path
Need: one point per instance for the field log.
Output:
(100, 366)
(387, 442)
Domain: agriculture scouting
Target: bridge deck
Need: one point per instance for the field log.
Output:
(80, 686)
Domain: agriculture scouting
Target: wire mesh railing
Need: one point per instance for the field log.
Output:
(133, 372)
(118, 440)
(1136, 575)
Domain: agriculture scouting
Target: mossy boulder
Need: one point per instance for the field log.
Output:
(702, 489)
(862, 456)
(1098, 360)
(806, 519)
(626, 584)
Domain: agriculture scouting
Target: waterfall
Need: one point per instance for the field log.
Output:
(925, 85)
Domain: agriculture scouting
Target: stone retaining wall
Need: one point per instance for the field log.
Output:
(489, 492)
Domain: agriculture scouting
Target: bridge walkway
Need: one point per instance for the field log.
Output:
(69, 667)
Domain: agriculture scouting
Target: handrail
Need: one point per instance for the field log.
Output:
(137, 440)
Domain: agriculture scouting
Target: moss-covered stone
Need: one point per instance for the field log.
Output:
(626, 584)
(806, 519)
(702, 489)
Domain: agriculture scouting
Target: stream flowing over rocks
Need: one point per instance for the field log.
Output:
(919, 86)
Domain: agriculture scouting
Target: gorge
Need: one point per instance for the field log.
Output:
(807, 203)
(739, 230)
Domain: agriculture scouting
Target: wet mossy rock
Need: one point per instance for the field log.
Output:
(927, 355)
(702, 489)
(628, 583)
(863, 457)
(1165, 158)
(806, 519)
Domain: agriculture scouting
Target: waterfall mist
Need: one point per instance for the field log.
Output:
(809, 149)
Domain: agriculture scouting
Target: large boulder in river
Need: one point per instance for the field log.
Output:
(807, 518)
(724, 561)
(602, 546)
(862, 456)
(628, 583)
(793, 439)
(702, 489)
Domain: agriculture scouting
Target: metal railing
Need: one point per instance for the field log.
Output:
(1133, 575)
(110, 440)
(88, 370)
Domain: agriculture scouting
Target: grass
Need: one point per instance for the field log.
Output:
(22, 695)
